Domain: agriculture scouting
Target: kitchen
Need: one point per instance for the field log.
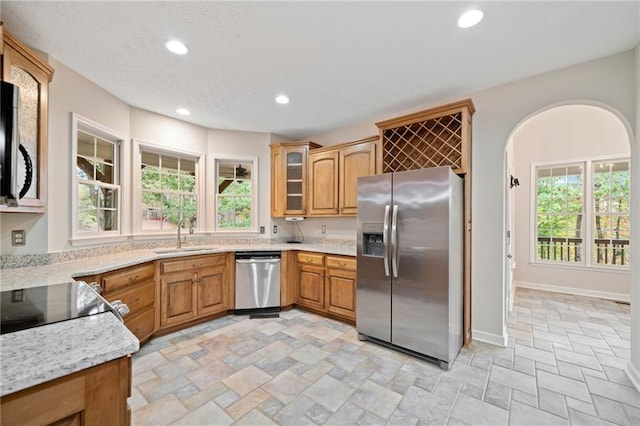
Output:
(48, 235)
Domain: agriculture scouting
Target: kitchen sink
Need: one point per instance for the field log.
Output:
(183, 249)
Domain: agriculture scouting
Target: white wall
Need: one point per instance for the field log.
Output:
(633, 369)
(499, 111)
(563, 133)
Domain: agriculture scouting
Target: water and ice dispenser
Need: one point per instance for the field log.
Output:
(372, 242)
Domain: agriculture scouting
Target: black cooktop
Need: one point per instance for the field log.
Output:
(36, 306)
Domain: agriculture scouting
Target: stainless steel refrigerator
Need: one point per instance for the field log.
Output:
(410, 261)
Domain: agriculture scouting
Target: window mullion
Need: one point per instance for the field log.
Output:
(589, 213)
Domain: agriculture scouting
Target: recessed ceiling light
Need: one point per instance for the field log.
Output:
(176, 47)
(282, 99)
(183, 111)
(470, 18)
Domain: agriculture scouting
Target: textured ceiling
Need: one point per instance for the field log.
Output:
(340, 62)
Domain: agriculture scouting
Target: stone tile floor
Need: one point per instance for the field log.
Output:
(563, 365)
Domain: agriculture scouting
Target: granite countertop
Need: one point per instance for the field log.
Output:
(57, 273)
(62, 348)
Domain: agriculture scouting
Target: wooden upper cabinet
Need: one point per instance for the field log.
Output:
(355, 161)
(323, 183)
(289, 178)
(333, 176)
(20, 66)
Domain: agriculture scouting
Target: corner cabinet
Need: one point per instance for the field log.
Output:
(192, 288)
(289, 178)
(20, 66)
(334, 173)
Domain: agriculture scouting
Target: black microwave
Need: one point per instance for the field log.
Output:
(9, 103)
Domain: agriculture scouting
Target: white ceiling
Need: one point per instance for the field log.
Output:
(340, 62)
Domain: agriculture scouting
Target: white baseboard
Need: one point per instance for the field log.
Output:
(494, 339)
(633, 375)
(576, 291)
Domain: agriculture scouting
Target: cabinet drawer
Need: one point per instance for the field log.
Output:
(341, 262)
(311, 259)
(137, 298)
(127, 277)
(188, 263)
(142, 325)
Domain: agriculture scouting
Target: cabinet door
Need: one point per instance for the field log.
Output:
(341, 292)
(311, 286)
(178, 298)
(24, 69)
(323, 183)
(211, 284)
(355, 161)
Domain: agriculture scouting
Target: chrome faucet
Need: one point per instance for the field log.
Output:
(179, 242)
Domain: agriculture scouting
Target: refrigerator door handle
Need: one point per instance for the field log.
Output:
(385, 245)
(394, 242)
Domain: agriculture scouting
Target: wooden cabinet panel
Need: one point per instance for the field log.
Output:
(323, 183)
(193, 287)
(311, 286)
(211, 291)
(192, 262)
(128, 277)
(138, 298)
(311, 258)
(341, 292)
(142, 325)
(178, 296)
(355, 161)
(343, 262)
(334, 173)
(95, 396)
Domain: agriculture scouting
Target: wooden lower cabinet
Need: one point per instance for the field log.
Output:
(93, 397)
(192, 288)
(327, 284)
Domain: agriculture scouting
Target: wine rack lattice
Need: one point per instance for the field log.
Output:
(431, 143)
(435, 137)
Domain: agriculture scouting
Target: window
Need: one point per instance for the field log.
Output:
(582, 213)
(96, 198)
(169, 190)
(235, 201)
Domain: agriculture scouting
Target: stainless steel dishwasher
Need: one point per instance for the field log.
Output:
(257, 279)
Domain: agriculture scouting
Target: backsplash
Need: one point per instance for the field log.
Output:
(21, 261)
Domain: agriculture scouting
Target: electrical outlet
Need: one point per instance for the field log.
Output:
(275, 229)
(323, 229)
(18, 238)
(262, 229)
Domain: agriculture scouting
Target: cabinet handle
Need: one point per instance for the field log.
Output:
(133, 279)
(195, 280)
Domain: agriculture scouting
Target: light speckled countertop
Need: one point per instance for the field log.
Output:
(57, 273)
(37, 355)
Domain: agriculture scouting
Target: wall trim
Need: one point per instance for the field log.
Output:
(633, 374)
(494, 339)
(619, 297)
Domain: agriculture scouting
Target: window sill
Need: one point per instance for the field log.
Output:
(167, 235)
(94, 240)
(600, 269)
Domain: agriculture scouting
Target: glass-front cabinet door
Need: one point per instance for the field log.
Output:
(289, 178)
(21, 67)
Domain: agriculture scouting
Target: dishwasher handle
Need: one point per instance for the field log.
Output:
(257, 260)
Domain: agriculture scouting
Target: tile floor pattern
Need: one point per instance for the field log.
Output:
(563, 365)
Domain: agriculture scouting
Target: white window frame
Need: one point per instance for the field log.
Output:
(80, 123)
(198, 157)
(588, 209)
(213, 193)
